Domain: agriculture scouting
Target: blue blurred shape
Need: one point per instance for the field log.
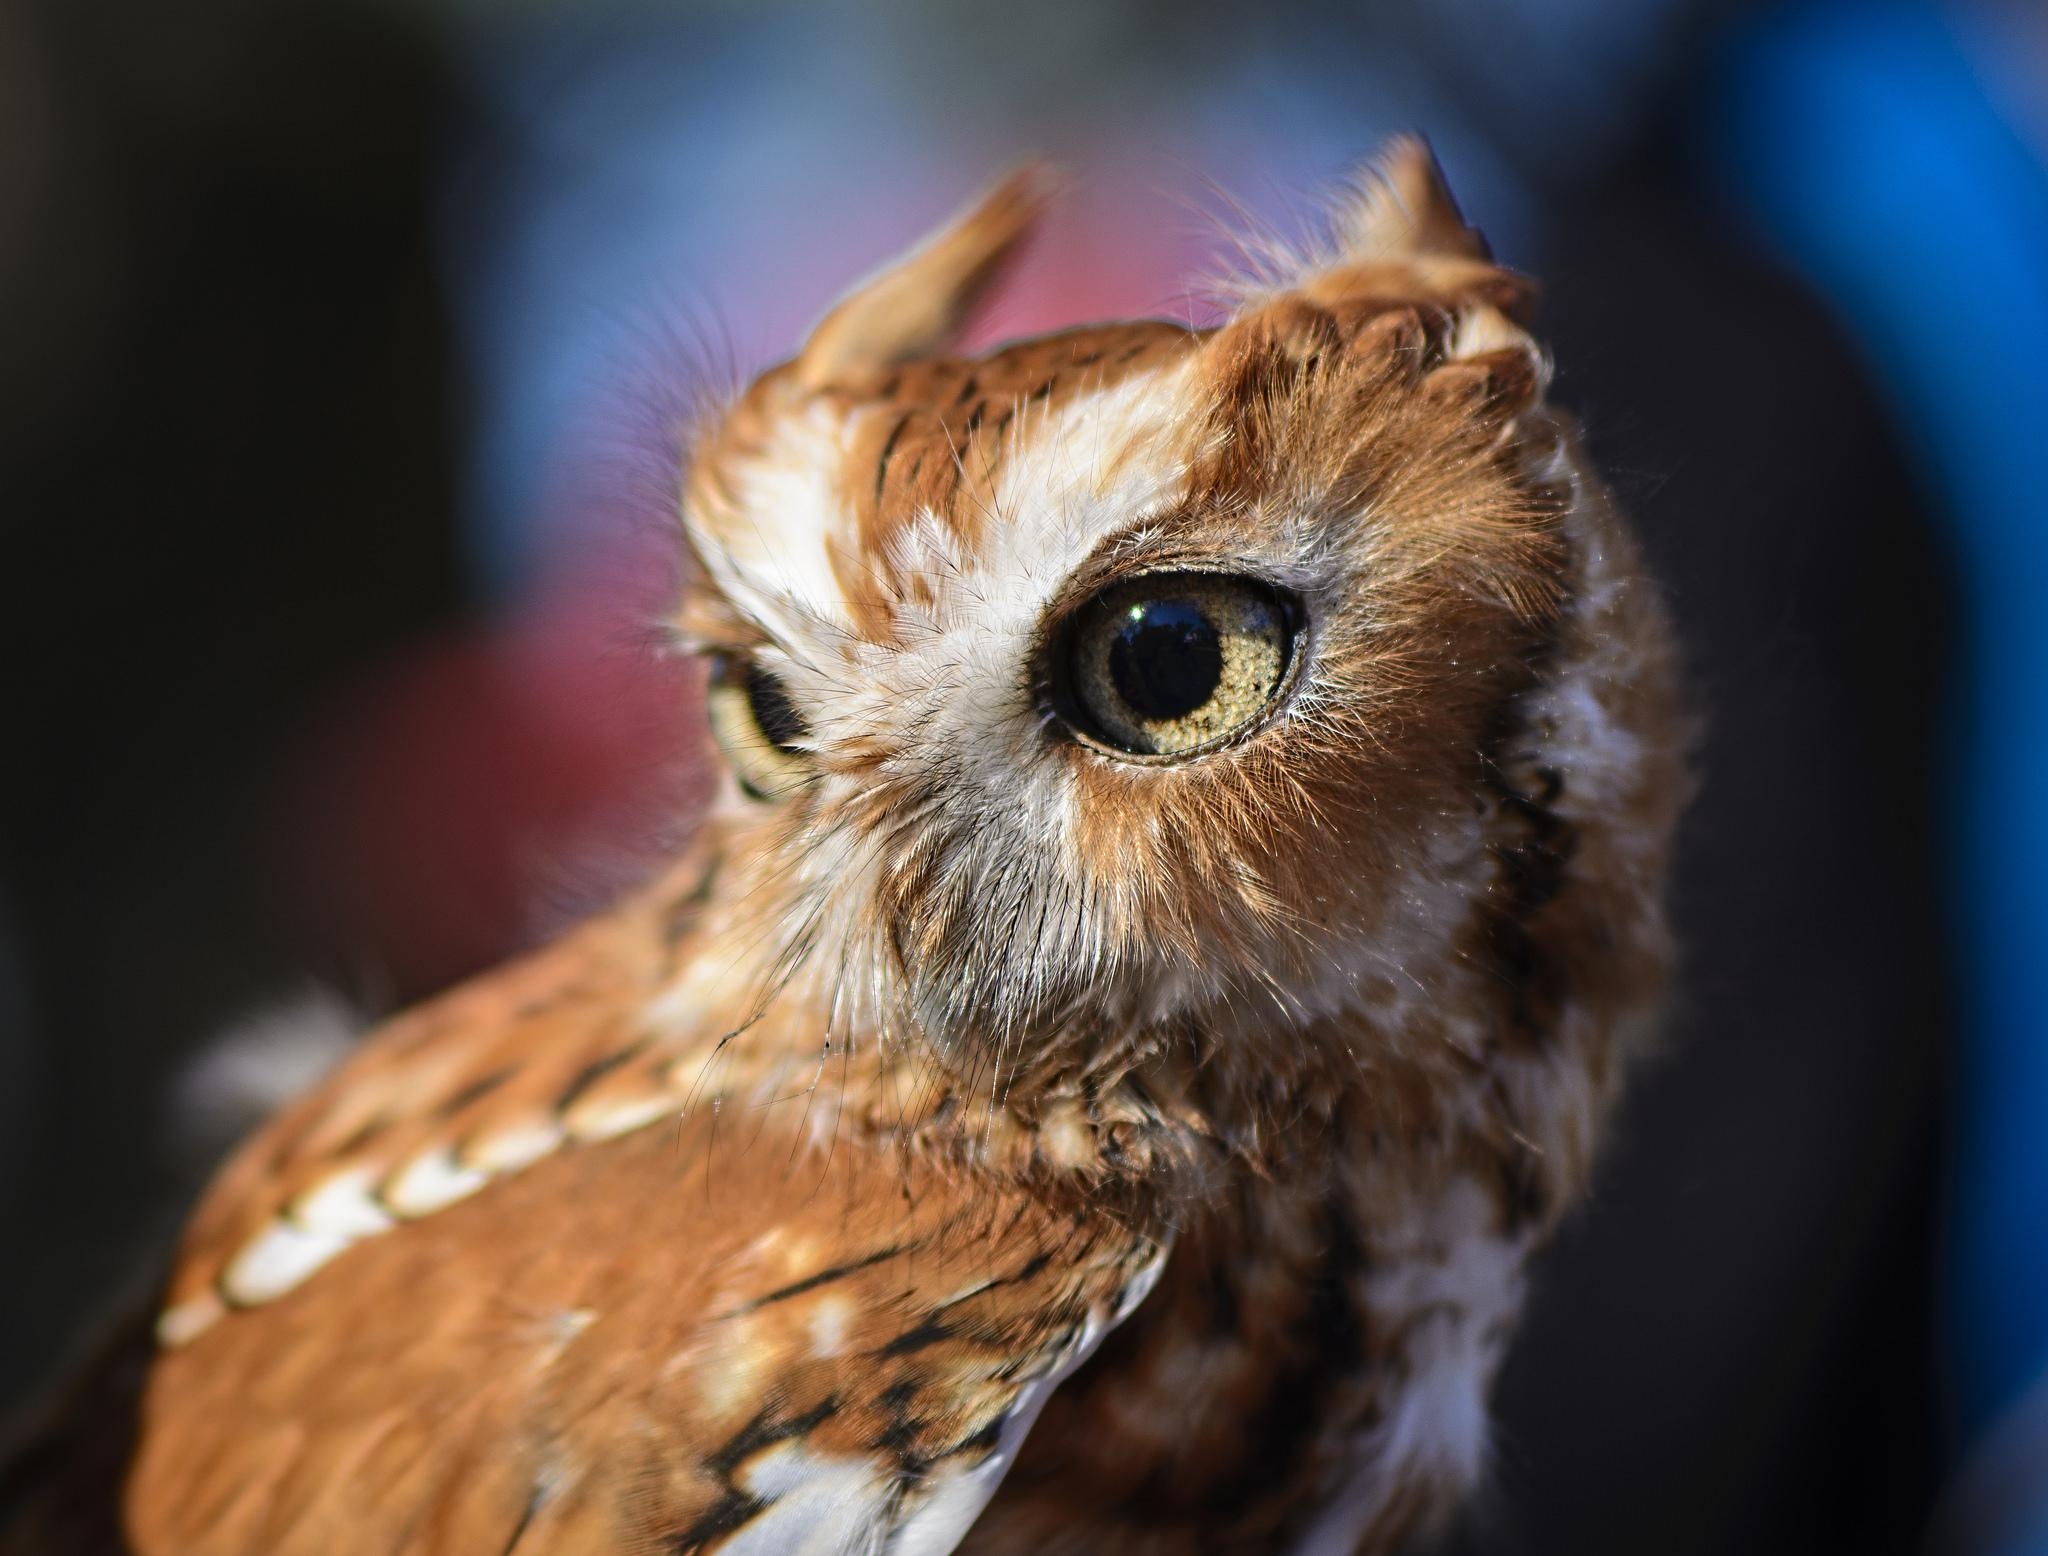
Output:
(1865, 143)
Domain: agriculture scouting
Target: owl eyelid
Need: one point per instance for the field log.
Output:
(686, 644)
(1171, 540)
(1090, 581)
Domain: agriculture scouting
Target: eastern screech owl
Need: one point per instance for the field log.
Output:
(1185, 882)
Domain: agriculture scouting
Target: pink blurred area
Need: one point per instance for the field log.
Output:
(464, 800)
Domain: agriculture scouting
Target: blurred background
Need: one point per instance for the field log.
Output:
(343, 347)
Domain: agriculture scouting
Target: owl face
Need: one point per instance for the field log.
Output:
(1126, 676)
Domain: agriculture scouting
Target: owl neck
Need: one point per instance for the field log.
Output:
(1161, 1110)
(1431, 1028)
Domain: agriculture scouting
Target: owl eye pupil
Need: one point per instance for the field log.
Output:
(1166, 660)
(758, 727)
(773, 710)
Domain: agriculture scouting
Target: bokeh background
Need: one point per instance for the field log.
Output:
(343, 347)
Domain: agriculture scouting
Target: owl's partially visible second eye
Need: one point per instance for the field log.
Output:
(1172, 663)
(757, 727)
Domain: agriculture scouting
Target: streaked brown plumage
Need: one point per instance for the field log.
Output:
(766, 1211)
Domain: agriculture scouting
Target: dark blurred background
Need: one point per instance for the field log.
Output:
(342, 350)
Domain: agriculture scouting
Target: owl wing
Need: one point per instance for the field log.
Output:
(673, 1330)
(655, 1343)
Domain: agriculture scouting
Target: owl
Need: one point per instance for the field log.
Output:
(1184, 889)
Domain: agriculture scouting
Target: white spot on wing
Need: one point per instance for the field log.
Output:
(176, 1325)
(728, 1374)
(607, 1119)
(431, 1181)
(345, 1205)
(816, 1506)
(829, 1321)
(508, 1150)
(277, 1259)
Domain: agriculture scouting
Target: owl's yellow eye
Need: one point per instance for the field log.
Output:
(757, 727)
(1173, 663)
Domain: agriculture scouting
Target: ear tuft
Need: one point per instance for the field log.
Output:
(1399, 207)
(917, 305)
(1394, 236)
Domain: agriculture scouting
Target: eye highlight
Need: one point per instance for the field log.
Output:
(757, 727)
(1170, 664)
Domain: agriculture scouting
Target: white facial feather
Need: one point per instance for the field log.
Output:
(774, 563)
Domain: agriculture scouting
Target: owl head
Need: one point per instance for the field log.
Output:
(1135, 675)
